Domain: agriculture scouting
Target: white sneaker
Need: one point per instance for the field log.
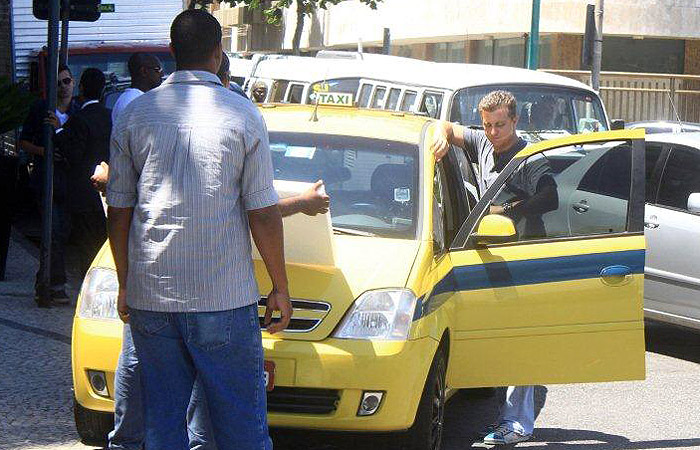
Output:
(504, 435)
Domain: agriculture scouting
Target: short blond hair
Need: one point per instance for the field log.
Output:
(499, 99)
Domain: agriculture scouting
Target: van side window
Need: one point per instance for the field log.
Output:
(279, 89)
(431, 104)
(363, 99)
(393, 99)
(378, 98)
(295, 93)
(409, 98)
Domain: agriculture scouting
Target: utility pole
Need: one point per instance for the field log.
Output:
(386, 43)
(533, 47)
(597, 46)
(47, 199)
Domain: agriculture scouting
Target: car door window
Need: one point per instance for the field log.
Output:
(652, 170)
(569, 191)
(452, 205)
(468, 177)
(680, 178)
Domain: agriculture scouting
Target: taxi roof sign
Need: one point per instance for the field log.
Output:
(335, 98)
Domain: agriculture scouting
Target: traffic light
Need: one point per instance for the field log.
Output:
(74, 10)
(588, 39)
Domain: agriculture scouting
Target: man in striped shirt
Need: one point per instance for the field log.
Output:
(190, 177)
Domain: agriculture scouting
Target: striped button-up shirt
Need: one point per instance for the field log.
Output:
(190, 157)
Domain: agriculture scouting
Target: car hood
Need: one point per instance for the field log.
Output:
(323, 294)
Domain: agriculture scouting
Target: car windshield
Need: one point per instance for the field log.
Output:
(372, 183)
(541, 109)
(115, 64)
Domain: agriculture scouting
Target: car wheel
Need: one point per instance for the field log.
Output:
(426, 432)
(93, 426)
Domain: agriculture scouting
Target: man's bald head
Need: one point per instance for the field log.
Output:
(146, 71)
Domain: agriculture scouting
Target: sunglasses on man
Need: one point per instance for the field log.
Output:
(65, 81)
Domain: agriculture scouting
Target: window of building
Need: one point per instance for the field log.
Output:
(625, 54)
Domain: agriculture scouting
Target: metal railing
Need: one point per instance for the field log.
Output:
(645, 96)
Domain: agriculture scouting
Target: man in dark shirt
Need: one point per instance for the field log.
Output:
(32, 142)
(84, 142)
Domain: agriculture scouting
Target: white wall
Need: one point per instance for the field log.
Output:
(414, 21)
(132, 20)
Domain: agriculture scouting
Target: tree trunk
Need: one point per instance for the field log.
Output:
(300, 27)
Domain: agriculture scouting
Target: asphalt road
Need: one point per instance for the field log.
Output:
(662, 412)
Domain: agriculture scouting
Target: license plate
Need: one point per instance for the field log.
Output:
(269, 374)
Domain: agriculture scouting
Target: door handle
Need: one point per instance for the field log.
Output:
(581, 207)
(651, 222)
(615, 275)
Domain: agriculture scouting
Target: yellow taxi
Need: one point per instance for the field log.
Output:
(416, 284)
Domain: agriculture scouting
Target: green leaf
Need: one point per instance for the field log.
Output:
(14, 105)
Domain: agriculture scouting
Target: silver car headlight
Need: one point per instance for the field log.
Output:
(385, 314)
(98, 295)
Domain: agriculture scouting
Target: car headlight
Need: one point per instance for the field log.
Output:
(381, 314)
(98, 295)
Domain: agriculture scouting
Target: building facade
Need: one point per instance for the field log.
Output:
(644, 36)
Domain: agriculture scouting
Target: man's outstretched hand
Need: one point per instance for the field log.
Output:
(314, 200)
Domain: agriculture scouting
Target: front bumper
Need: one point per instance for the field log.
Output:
(344, 368)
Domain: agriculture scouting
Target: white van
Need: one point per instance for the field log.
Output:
(441, 90)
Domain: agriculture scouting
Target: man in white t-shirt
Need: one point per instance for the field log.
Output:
(146, 73)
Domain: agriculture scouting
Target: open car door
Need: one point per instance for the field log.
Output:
(543, 293)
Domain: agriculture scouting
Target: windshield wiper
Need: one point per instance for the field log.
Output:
(351, 232)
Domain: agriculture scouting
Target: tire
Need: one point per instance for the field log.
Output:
(93, 426)
(426, 432)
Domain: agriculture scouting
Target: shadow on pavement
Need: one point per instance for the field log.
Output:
(671, 340)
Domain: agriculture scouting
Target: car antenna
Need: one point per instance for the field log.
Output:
(675, 111)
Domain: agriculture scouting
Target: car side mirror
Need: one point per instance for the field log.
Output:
(694, 202)
(494, 229)
(617, 124)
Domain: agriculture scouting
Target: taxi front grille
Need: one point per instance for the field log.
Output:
(302, 400)
(308, 314)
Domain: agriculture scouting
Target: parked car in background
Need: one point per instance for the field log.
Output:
(672, 228)
(440, 90)
(664, 126)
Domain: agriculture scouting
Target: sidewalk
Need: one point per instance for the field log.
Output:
(36, 399)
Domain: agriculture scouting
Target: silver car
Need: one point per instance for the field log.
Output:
(589, 197)
(672, 228)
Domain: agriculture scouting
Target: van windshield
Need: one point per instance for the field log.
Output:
(372, 183)
(115, 63)
(541, 109)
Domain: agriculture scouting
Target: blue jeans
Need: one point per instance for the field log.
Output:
(129, 422)
(518, 410)
(224, 351)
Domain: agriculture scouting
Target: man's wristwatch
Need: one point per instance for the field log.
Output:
(507, 207)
